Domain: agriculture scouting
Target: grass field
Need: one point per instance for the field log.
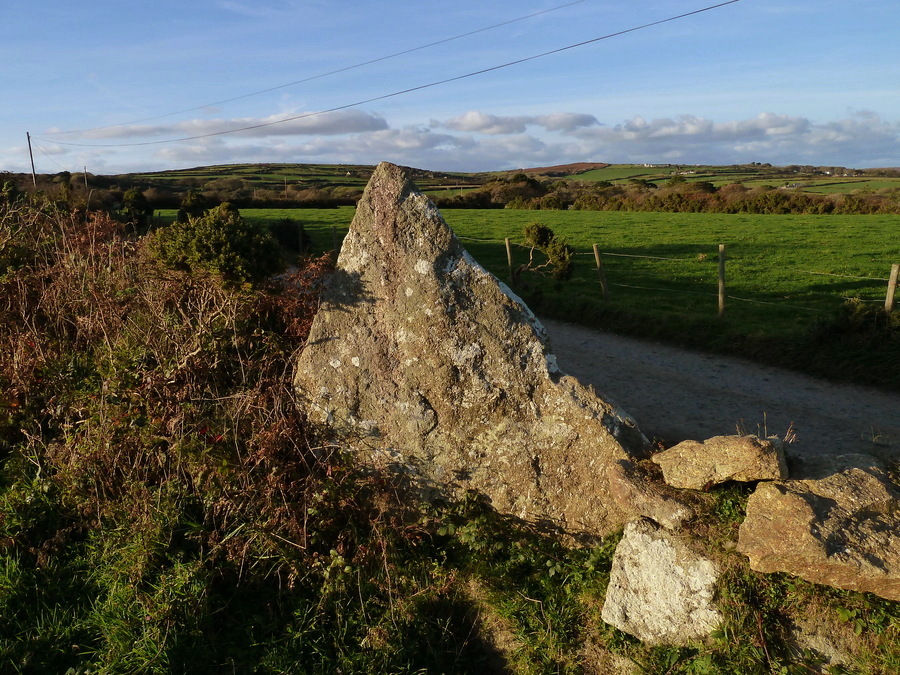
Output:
(276, 176)
(620, 172)
(769, 258)
(253, 178)
(833, 186)
(766, 253)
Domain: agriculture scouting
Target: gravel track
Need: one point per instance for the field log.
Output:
(676, 394)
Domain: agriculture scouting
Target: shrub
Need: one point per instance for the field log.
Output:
(136, 210)
(221, 242)
(558, 253)
(291, 235)
(193, 205)
(862, 337)
(538, 236)
(856, 320)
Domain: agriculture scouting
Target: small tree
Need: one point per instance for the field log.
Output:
(558, 253)
(136, 210)
(291, 235)
(193, 205)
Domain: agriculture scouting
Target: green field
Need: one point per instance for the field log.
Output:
(770, 259)
(827, 186)
(622, 172)
(279, 176)
(617, 173)
(833, 187)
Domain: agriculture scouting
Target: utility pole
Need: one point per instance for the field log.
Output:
(85, 178)
(31, 155)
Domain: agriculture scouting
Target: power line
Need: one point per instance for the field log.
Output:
(329, 73)
(401, 92)
(48, 156)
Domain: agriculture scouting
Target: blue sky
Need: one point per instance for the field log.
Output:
(780, 81)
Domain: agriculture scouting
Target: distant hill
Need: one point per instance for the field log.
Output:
(294, 185)
(565, 169)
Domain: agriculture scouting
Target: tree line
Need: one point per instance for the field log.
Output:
(677, 195)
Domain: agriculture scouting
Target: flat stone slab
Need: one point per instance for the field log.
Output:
(698, 465)
(840, 530)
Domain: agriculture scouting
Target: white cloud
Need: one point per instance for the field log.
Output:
(401, 145)
(480, 141)
(294, 124)
(484, 123)
(692, 129)
(565, 121)
(862, 140)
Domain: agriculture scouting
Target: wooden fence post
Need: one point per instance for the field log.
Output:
(892, 288)
(334, 243)
(721, 280)
(603, 286)
(509, 260)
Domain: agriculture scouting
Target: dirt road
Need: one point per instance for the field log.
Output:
(676, 394)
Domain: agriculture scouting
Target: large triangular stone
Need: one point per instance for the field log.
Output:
(426, 363)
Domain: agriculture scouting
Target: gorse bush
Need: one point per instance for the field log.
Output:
(291, 235)
(538, 235)
(193, 205)
(219, 241)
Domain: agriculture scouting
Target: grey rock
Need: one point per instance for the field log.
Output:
(659, 590)
(628, 485)
(812, 635)
(425, 363)
(841, 529)
(697, 465)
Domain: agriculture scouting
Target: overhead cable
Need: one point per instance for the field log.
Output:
(327, 74)
(397, 93)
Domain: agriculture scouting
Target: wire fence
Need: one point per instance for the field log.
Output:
(722, 294)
